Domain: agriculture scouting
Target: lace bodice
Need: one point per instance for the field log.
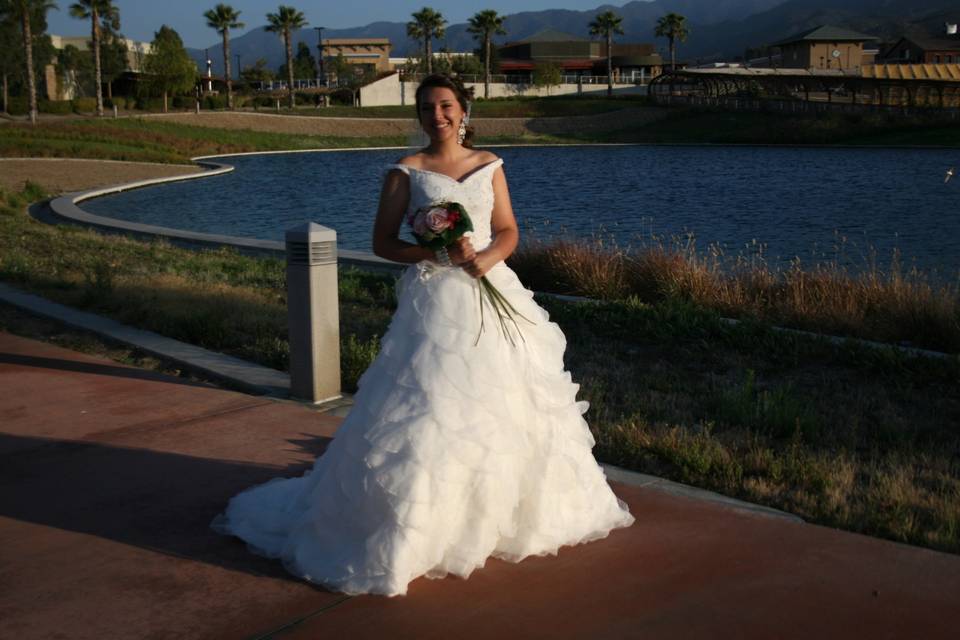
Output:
(474, 192)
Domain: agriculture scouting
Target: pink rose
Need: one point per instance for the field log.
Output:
(437, 220)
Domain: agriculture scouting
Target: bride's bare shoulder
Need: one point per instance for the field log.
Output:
(485, 157)
(415, 160)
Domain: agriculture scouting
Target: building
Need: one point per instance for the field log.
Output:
(826, 47)
(135, 50)
(578, 56)
(65, 87)
(368, 53)
(943, 49)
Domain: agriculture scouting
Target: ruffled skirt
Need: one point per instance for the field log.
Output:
(460, 446)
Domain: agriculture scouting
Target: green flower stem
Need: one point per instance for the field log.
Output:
(505, 311)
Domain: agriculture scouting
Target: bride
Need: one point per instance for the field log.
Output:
(462, 444)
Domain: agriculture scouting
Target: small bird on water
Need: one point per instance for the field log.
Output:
(949, 175)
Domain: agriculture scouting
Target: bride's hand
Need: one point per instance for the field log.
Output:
(481, 263)
(461, 251)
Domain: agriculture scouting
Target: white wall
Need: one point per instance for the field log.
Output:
(383, 92)
(390, 91)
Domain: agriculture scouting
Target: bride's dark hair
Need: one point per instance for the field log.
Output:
(463, 95)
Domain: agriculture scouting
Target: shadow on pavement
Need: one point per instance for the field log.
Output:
(154, 500)
(93, 368)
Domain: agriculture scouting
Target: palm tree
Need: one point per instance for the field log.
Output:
(97, 11)
(606, 24)
(285, 20)
(673, 27)
(484, 25)
(223, 17)
(426, 25)
(23, 10)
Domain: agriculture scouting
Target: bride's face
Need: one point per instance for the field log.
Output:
(440, 113)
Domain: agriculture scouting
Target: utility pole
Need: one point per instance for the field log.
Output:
(206, 53)
(321, 77)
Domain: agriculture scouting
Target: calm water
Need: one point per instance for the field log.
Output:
(793, 202)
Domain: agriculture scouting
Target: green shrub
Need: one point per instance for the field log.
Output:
(302, 98)
(146, 103)
(342, 97)
(55, 106)
(120, 102)
(18, 106)
(183, 102)
(215, 102)
(85, 105)
(265, 102)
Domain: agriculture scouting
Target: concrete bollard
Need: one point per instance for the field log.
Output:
(313, 313)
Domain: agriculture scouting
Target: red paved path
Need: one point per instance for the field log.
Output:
(109, 477)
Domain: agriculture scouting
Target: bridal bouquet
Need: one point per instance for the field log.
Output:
(437, 226)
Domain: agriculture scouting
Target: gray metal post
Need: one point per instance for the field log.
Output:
(313, 313)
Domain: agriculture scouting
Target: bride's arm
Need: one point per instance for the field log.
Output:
(394, 198)
(504, 224)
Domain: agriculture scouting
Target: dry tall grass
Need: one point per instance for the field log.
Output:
(893, 305)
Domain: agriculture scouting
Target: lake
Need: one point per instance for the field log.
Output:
(809, 202)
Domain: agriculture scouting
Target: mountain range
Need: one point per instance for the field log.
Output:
(718, 29)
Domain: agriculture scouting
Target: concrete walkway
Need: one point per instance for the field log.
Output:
(109, 477)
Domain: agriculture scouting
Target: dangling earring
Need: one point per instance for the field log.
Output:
(461, 132)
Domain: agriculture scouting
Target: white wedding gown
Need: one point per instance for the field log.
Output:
(455, 450)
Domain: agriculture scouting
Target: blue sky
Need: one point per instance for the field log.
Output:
(140, 18)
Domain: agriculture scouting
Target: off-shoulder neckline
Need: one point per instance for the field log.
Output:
(462, 180)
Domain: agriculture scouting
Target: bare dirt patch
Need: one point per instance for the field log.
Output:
(61, 175)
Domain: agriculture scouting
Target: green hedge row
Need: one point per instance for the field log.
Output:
(18, 105)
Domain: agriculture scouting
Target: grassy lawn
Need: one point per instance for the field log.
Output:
(845, 436)
(519, 107)
(151, 140)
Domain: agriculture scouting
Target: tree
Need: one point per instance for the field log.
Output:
(169, 67)
(484, 25)
(113, 59)
(285, 20)
(12, 46)
(466, 65)
(304, 64)
(102, 14)
(75, 66)
(32, 18)
(426, 25)
(673, 27)
(547, 74)
(257, 73)
(606, 24)
(223, 18)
